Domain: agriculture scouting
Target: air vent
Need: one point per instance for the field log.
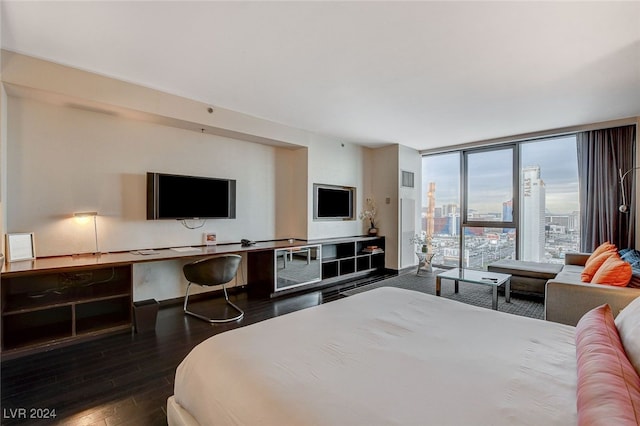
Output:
(407, 179)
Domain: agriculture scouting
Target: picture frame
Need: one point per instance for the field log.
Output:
(20, 246)
(209, 239)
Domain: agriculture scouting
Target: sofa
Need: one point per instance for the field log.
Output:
(567, 298)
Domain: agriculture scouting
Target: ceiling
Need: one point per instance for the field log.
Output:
(422, 74)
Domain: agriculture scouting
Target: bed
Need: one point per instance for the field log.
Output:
(385, 356)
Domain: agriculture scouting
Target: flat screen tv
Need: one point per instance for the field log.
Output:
(331, 202)
(190, 197)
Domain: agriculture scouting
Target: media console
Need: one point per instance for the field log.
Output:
(323, 262)
(55, 301)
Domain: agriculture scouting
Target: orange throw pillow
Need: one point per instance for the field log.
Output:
(614, 271)
(602, 248)
(592, 265)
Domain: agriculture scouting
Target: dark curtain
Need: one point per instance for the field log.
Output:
(601, 153)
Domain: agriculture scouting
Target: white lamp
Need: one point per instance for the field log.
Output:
(624, 208)
(84, 217)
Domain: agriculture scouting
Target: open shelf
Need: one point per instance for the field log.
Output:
(33, 328)
(41, 309)
(347, 257)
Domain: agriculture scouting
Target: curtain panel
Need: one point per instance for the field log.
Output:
(601, 154)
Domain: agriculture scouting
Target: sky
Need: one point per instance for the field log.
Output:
(490, 175)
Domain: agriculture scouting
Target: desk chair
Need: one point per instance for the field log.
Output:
(209, 272)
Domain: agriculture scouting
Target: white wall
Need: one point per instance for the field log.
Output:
(384, 184)
(410, 160)
(291, 193)
(333, 162)
(65, 160)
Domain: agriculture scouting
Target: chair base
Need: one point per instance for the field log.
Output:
(213, 320)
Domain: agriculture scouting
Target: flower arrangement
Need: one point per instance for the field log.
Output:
(370, 212)
(421, 241)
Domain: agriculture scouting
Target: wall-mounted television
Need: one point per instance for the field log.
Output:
(332, 202)
(190, 197)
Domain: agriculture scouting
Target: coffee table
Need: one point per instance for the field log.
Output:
(478, 277)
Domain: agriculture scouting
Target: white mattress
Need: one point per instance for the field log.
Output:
(386, 356)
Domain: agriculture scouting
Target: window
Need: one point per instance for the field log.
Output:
(550, 206)
(441, 206)
(489, 186)
(513, 201)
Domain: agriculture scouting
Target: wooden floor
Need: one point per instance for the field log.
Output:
(125, 379)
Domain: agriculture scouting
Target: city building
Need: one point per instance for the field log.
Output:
(533, 215)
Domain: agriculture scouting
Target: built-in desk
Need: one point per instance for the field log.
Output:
(53, 301)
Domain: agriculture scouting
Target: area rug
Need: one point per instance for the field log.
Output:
(473, 294)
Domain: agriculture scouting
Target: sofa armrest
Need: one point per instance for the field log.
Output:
(566, 303)
(576, 258)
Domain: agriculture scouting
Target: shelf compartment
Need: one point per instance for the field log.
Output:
(345, 250)
(347, 266)
(37, 327)
(103, 314)
(34, 292)
(363, 263)
(329, 269)
(377, 261)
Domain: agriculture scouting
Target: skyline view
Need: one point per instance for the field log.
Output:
(557, 159)
(548, 203)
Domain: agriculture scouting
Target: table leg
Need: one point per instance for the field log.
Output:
(507, 291)
(437, 286)
(494, 302)
(456, 285)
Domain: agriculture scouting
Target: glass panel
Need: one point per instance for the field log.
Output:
(483, 246)
(490, 186)
(441, 206)
(549, 202)
(297, 266)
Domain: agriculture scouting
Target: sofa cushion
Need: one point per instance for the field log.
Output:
(614, 271)
(575, 269)
(593, 264)
(571, 277)
(604, 247)
(608, 391)
(628, 325)
(523, 268)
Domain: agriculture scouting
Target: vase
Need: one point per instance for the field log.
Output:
(373, 231)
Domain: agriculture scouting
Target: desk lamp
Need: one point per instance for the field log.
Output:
(85, 217)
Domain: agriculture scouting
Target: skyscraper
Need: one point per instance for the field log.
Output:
(533, 221)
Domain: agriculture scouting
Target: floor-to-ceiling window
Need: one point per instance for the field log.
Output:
(550, 206)
(517, 201)
(441, 206)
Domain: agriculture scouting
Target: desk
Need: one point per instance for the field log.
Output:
(63, 263)
(54, 301)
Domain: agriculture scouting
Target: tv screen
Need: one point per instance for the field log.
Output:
(190, 197)
(333, 202)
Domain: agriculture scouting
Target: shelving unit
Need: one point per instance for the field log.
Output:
(348, 257)
(45, 308)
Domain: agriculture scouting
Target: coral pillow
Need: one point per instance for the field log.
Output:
(593, 264)
(602, 248)
(614, 271)
(608, 386)
(628, 325)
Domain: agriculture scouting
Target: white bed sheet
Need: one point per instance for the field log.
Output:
(386, 356)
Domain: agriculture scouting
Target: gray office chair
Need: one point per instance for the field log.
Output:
(209, 272)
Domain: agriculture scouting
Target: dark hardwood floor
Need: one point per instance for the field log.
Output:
(125, 379)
